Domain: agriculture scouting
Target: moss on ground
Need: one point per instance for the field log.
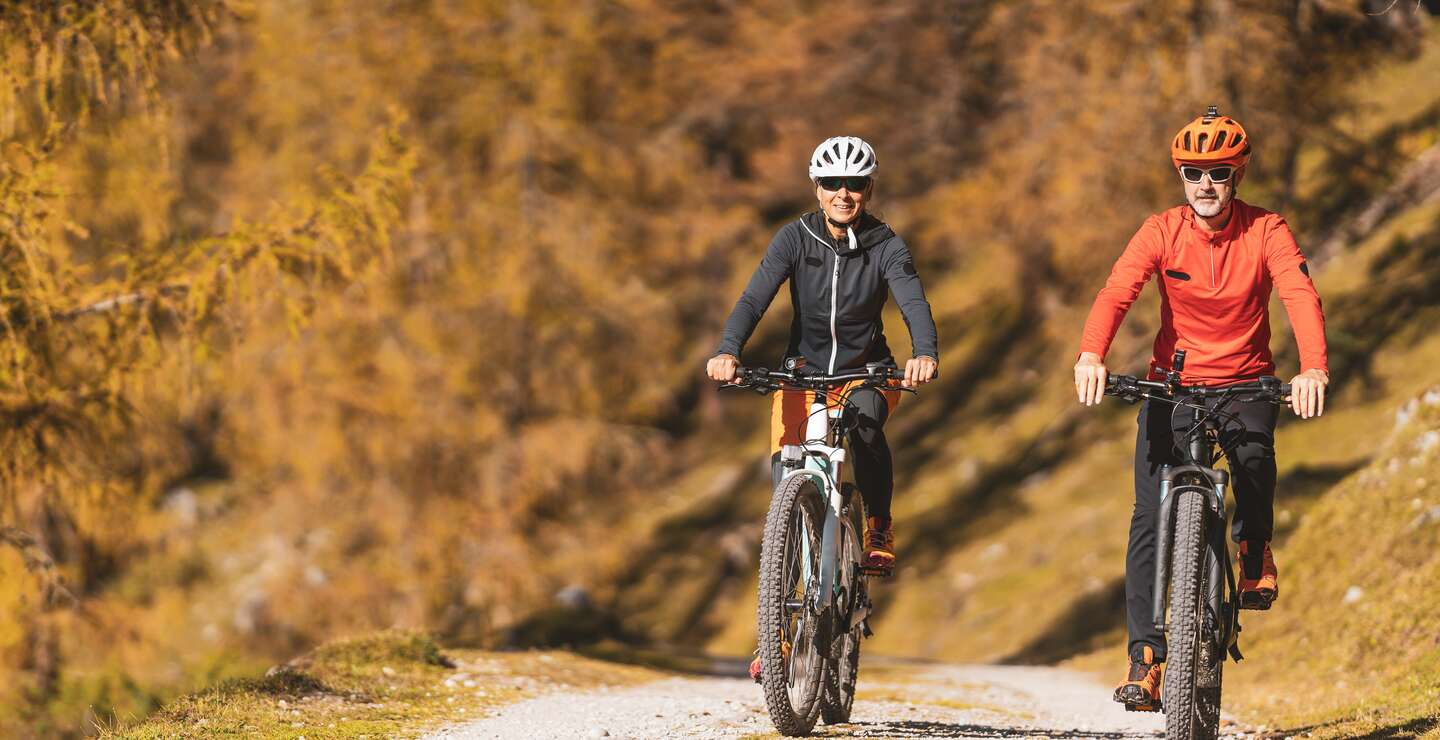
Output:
(390, 684)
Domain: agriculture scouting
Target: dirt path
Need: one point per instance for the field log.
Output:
(893, 701)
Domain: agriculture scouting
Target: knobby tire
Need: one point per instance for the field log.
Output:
(796, 509)
(1186, 658)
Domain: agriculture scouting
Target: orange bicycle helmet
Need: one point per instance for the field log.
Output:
(1211, 139)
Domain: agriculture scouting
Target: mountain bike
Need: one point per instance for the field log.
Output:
(1193, 575)
(813, 606)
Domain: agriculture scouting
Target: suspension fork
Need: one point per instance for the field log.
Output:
(1164, 529)
(1217, 559)
(1218, 563)
(1199, 449)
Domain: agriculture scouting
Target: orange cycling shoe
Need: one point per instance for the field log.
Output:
(1261, 590)
(1140, 691)
(879, 559)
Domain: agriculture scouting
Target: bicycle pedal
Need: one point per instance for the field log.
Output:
(1257, 600)
(877, 572)
(1144, 707)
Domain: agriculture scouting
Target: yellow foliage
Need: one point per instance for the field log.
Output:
(324, 316)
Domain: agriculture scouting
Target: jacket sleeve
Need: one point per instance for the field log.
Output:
(904, 284)
(1140, 260)
(1291, 276)
(777, 265)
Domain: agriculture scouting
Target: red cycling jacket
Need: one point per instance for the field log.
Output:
(1214, 294)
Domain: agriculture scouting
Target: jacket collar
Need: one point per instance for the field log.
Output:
(869, 232)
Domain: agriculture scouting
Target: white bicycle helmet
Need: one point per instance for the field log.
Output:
(840, 156)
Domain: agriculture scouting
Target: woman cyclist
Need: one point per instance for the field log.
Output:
(842, 263)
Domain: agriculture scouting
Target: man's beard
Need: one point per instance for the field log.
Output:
(1209, 208)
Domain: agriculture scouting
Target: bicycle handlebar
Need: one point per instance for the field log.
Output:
(1267, 388)
(763, 380)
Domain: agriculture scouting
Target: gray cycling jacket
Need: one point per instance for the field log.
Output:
(837, 293)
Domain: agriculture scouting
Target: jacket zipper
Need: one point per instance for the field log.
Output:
(1212, 266)
(834, 287)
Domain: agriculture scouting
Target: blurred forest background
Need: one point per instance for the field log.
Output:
(328, 316)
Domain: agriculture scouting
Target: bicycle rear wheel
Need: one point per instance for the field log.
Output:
(792, 664)
(843, 667)
(1191, 712)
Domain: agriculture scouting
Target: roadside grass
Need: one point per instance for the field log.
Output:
(389, 684)
(1352, 648)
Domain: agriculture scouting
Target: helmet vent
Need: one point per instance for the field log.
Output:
(1236, 141)
(1219, 141)
(1200, 142)
(1187, 142)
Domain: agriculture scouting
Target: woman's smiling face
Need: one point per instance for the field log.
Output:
(843, 205)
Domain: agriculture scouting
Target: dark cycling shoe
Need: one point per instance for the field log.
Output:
(1140, 691)
(1259, 579)
(879, 558)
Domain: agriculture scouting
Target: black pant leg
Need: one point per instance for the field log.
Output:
(1154, 447)
(870, 451)
(1251, 453)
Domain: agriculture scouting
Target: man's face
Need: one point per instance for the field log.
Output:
(1206, 196)
(841, 204)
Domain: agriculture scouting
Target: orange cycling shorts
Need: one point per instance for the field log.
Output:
(791, 410)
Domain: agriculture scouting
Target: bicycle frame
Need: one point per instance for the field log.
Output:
(825, 463)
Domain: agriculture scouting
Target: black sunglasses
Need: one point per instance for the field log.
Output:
(853, 184)
(1217, 174)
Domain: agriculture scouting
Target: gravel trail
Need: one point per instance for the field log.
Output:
(894, 701)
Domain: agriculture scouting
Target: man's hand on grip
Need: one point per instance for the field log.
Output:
(1090, 375)
(1307, 393)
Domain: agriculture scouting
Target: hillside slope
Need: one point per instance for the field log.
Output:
(321, 318)
(1013, 502)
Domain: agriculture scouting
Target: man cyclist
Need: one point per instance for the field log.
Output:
(1216, 259)
(841, 262)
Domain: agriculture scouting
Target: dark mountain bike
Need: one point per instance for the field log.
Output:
(1193, 574)
(813, 606)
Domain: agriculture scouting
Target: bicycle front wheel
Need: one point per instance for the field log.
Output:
(1191, 713)
(792, 664)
